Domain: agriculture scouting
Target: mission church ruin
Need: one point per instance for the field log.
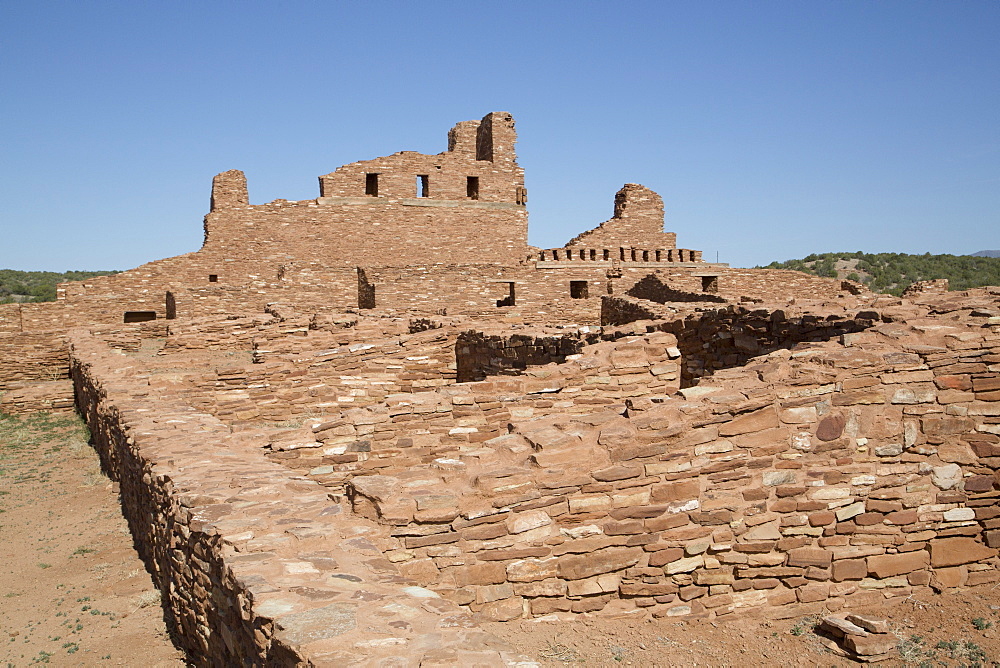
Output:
(349, 428)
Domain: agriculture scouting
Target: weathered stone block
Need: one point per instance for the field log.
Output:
(809, 556)
(501, 611)
(576, 567)
(681, 490)
(764, 418)
(888, 565)
(478, 574)
(528, 570)
(958, 551)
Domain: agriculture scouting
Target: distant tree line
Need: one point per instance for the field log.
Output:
(892, 273)
(38, 286)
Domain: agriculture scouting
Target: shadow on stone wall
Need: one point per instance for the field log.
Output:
(653, 289)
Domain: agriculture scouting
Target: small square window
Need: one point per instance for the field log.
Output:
(213, 278)
(139, 316)
(578, 289)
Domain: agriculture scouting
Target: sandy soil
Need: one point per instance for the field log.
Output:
(936, 630)
(74, 591)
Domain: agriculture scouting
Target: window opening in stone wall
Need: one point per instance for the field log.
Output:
(709, 283)
(371, 185)
(607, 254)
(472, 187)
(578, 289)
(213, 278)
(171, 306)
(509, 299)
(423, 185)
(139, 316)
(366, 290)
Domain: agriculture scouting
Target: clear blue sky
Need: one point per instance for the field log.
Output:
(771, 129)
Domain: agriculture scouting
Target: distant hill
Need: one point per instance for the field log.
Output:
(38, 286)
(995, 253)
(894, 272)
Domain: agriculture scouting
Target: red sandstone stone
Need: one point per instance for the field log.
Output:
(957, 551)
(602, 561)
(849, 569)
(831, 427)
(765, 418)
(888, 565)
(808, 556)
(822, 518)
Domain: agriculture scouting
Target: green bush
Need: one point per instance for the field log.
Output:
(893, 272)
(38, 286)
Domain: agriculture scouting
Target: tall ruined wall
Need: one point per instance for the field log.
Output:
(464, 205)
(480, 149)
(637, 223)
(376, 230)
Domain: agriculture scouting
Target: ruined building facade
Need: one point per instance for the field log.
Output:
(410, 232)
(349, 429)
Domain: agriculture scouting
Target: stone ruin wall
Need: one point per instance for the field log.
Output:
(771, 445)
(714, 337)
(296, 452)
(843, 475)
(637, 223)
(392, 219)
(255, 566)
(740, 494)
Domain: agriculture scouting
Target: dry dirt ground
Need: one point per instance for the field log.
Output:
(960, 628)
(74, 592)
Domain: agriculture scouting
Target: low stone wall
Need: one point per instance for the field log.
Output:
(479, 355)
(623, 310)
(32, 356)
(810, 480)
(54, 396)
(255, 567)
(711, 339)
(918, 288)
(419, 428)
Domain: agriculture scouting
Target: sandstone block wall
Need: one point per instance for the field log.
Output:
(53, 396)
(32, 356)
(478, 355)
(255, 568)
(426, 428)
(637, 223)
(735, 284)
(828, 477)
